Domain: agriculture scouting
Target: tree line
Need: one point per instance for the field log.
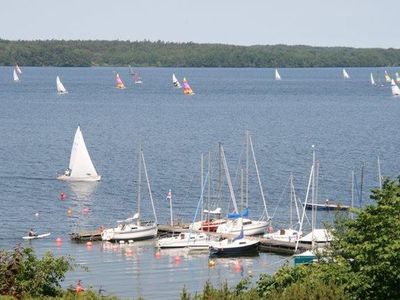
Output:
(87, 53)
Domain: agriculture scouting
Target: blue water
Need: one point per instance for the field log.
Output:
(349, 122)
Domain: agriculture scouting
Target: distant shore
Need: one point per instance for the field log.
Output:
(87, 53)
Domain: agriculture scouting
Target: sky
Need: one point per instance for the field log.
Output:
(351, 23)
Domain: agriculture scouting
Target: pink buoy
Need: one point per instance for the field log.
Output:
(157, 255)
(85, 210)
(58, 240)
(177, 259)
(63, 196)
(89, 244)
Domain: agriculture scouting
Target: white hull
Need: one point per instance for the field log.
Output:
(284, 235)
(40, 236)
(249, 227)
(129, 232)
(232, 247)
(191, 240)
(80, 179)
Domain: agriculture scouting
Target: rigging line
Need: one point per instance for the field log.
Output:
(280, 198)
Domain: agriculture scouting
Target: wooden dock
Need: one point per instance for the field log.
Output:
(86, 235)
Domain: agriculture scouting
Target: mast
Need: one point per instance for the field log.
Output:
(148, 187)
(291, 202)
(209, 190)
(352, 194)
(313, 199)
(361, 183)
(139, 183)
(228, 178)
(258, 177)
(379, 173)
(247, 168)
(202, 184)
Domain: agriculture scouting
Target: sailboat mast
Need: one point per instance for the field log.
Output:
(258, 177)
(247, 168)
(148, 187)
(291, 202)
(352, 194)
(202, 184)
(379, 173)
(139, 183)
(209, 189)
(228, 178)
(313, 199)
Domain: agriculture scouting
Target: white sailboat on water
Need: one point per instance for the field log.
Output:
(175, 82)
(345, 74)
(80, 166)
(277, 75)
(372, 79)
(395, 88)
(18, 69)
(61, 90)
(132, 229)
(15, 75)
(387, 77)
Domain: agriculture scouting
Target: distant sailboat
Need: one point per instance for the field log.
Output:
(387, 77)
(118, 82)
(15, 75)
(131, 72)
(187, 90)
(175, 82)
(61, 90)
(80, 167)
(345, 74)
(372, 79)
(397, 77)
(18, 69)
(277, 75)
(136, 78)
(395, 89)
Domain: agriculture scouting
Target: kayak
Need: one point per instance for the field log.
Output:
(40, 236)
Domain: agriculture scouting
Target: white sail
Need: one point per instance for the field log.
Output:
(18, 69)
(81, 167)
(277, 75)
(175, 82)
(60, 87)
(395, 88)
(397, 77)
(387, 77)
(372, 79)
(15, 75)
(345, 74)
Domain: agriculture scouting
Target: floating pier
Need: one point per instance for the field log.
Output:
(86, 235)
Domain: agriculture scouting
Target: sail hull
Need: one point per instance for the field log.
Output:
(192, 240)
(129, 232)
(249, 227)
(79, 179)
(241, 247)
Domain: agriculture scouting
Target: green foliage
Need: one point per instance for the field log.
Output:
(23, 274)
(164, 54)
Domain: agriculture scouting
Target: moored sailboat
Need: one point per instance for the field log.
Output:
(238, 246)
(132, 228)
(187, 90)
(61, 90)
(80, 167)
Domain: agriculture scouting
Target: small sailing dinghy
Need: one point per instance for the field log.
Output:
(345, 74)
(277, 75)
(136, 78)
(34, 237)
(15, 75)
(187, 90)
(61, 90)
(80, 167)
(387, 77)
(132, 228)
(119, 84)
(372, 79)
(175, 82)
(395, 89)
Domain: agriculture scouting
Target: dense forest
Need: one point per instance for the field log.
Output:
(165, 54)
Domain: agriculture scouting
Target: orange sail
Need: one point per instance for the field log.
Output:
(187, 90)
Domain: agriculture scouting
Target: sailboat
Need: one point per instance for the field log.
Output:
(372, 79)
(80, 166)
(132, 228)
(239, 221)
(316, 236)
(175, 82)
(288, 234)
(397, 77)
(395, 89)
(119, 84)
(345, 74)
(18, 69)
(187, 90)
(15, 75)
(136, 78)
(277, 75)
(60, 87)
(387, 77)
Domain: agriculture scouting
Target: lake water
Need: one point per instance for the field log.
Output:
(350, 123)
